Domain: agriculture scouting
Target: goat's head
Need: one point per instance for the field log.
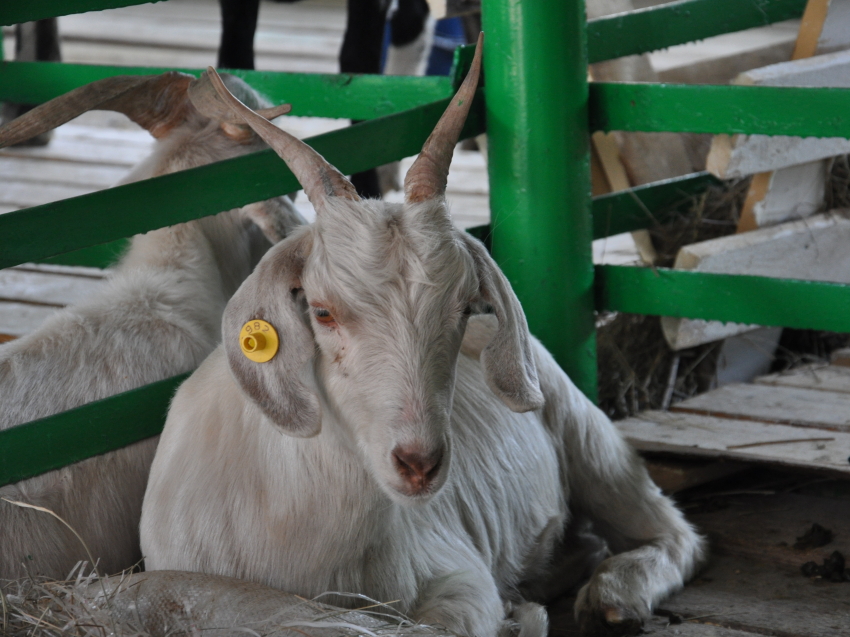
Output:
(192, 129)
(372, 301)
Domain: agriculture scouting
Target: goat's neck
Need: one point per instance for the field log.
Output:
(224, 247)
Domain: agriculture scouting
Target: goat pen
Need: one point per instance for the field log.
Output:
(540, 111)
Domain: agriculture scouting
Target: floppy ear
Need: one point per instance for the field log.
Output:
(276, 217)
(507, 359)
(271, 294)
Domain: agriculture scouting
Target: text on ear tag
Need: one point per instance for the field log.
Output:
(259, 341)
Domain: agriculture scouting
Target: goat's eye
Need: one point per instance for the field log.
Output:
(467, 310)
(323, 316)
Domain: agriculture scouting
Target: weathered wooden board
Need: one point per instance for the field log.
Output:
(313, 42)
(31, 293)
(797, 406)
(86, 151)
(17, 319)
(719, 59)
(812, 249)
(19, 284)
(786, 194)
(25, 194)
(645, 157)
(673, 475)
(31, 170)
(829, 378)
(741, 155)
(835, 35)
(691, 434)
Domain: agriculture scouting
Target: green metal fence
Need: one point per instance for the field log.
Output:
(539, 112)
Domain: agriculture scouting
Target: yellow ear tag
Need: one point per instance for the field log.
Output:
(259, 341)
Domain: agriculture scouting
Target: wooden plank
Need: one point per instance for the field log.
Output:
(741, 155)
(38, 171)
(835, 35)
(673, 476)
(817, 376)
(100, 28)
(798, 406)
(812, 249)
(711, 437)
(330, 13)
(141, 55)
(91, 151)
(720, 59)
(134, 136)
(44, 287)
(18, 319)
(24, 195)
(811, 26)
(764, 186)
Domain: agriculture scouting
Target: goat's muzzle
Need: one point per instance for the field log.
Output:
(416, 468)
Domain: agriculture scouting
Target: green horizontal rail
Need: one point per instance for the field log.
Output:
(311, 94)
(679, 22)
(15, 11)
(724, 297)
(94, 219)
(766, 110)
(56, 441)
(641, 207)
(647, 206)
(99, 256)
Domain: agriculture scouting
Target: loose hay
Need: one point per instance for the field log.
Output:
(637, 369)
(166, 603)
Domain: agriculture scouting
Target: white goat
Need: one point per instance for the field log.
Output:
(395, 446)
(158, 315)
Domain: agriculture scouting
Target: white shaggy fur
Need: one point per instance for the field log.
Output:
(158, 315)
(283, 472)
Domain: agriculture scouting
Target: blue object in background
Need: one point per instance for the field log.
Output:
(448, 35)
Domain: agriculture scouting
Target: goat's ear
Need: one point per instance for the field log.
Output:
(271, 294)
(507, 359)
(276, 217)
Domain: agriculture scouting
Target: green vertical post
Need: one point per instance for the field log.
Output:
(535, 73)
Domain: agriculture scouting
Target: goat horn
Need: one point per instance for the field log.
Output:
(206, 99)
(155, 102)
(427, 176)
(318, 178)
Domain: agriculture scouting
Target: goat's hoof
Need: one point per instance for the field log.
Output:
(610, 622)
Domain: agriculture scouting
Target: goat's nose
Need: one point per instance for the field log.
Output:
(418, 469)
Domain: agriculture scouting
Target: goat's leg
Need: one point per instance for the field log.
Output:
(462, 596)
(411, 38)
(238, 25)
(655, 549)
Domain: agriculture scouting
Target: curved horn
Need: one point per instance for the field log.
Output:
(205, 98)
(155, 102)
(427, 176)
(318, 178)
